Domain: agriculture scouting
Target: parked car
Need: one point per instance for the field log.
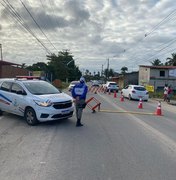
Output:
(35, 100)
(135, 92)
(111, 86)
(72, 84)
(95, 83)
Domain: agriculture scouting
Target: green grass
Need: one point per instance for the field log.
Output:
(160, 95)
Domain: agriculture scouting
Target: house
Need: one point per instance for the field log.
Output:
(157, 76)
(124, 79)
(11, 70)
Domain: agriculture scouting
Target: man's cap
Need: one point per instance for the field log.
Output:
(82, 79)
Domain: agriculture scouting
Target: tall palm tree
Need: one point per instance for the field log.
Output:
(171, 61)
(124, 69)
(156, 62)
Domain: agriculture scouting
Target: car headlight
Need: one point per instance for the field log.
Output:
(43, 104)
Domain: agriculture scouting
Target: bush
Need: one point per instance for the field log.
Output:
(64, 85)
(156, 94)
(160, 95)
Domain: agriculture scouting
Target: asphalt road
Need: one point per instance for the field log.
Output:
(110, 146)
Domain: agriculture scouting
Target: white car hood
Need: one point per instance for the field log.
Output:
(55, 97)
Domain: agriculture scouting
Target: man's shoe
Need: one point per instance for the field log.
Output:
(79, 125)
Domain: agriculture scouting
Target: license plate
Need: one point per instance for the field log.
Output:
(65, 112)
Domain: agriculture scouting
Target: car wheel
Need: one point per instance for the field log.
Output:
(129, 97)
(30, 117)
(1, 112)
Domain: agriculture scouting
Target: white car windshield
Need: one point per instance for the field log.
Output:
(41, 87)
(112, 84)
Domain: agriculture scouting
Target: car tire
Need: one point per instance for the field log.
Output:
(1, 112)
(129, 97)
(30, 117)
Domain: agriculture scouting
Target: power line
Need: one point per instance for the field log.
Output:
(160, 23)
(167, 18)
(37, 24)
(20, 20)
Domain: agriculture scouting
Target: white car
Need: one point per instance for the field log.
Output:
(135, 92)
(111, 86)
(35, 100)
(72, 84)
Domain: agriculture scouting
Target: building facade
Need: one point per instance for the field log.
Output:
(125, 79)
(11, 70)
(157, 76)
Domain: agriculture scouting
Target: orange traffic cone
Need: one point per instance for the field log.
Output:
(158, 109)
(115, 94)
(121, 98)
(140, 104)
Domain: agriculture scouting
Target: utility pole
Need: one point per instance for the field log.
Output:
(102, 70)
(1, 52)
(108, 69)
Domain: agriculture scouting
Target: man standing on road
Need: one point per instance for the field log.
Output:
(169, 94)
(79, 93)
(165, 92)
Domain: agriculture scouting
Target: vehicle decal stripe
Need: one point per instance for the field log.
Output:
(20, 109)
(4, 102)
(5, 98)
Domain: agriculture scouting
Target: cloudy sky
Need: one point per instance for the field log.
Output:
(127, 32)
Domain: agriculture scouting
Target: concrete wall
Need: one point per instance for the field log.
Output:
(159, 81)
(144, 75)
(128, 78)
(131, 78)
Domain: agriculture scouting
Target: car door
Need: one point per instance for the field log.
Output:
(18, 99)
(5, 97)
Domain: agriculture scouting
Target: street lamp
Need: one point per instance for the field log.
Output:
(67, 65)
(70, 62)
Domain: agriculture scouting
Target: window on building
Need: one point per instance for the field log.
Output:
(162, 73)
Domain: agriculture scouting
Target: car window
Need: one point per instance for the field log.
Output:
(16, 88)
(41, 87)
(6, 86)
(113, 84)
(139, 88)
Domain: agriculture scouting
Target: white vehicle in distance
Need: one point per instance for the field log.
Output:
(135, 92)
(111, 86)
(72, 84)
(35, 100)
(95, 83)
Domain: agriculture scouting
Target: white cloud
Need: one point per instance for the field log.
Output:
(93, 30)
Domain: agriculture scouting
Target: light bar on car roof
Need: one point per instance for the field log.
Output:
(28, 77)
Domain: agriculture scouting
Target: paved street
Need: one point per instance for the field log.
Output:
(110, 146)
